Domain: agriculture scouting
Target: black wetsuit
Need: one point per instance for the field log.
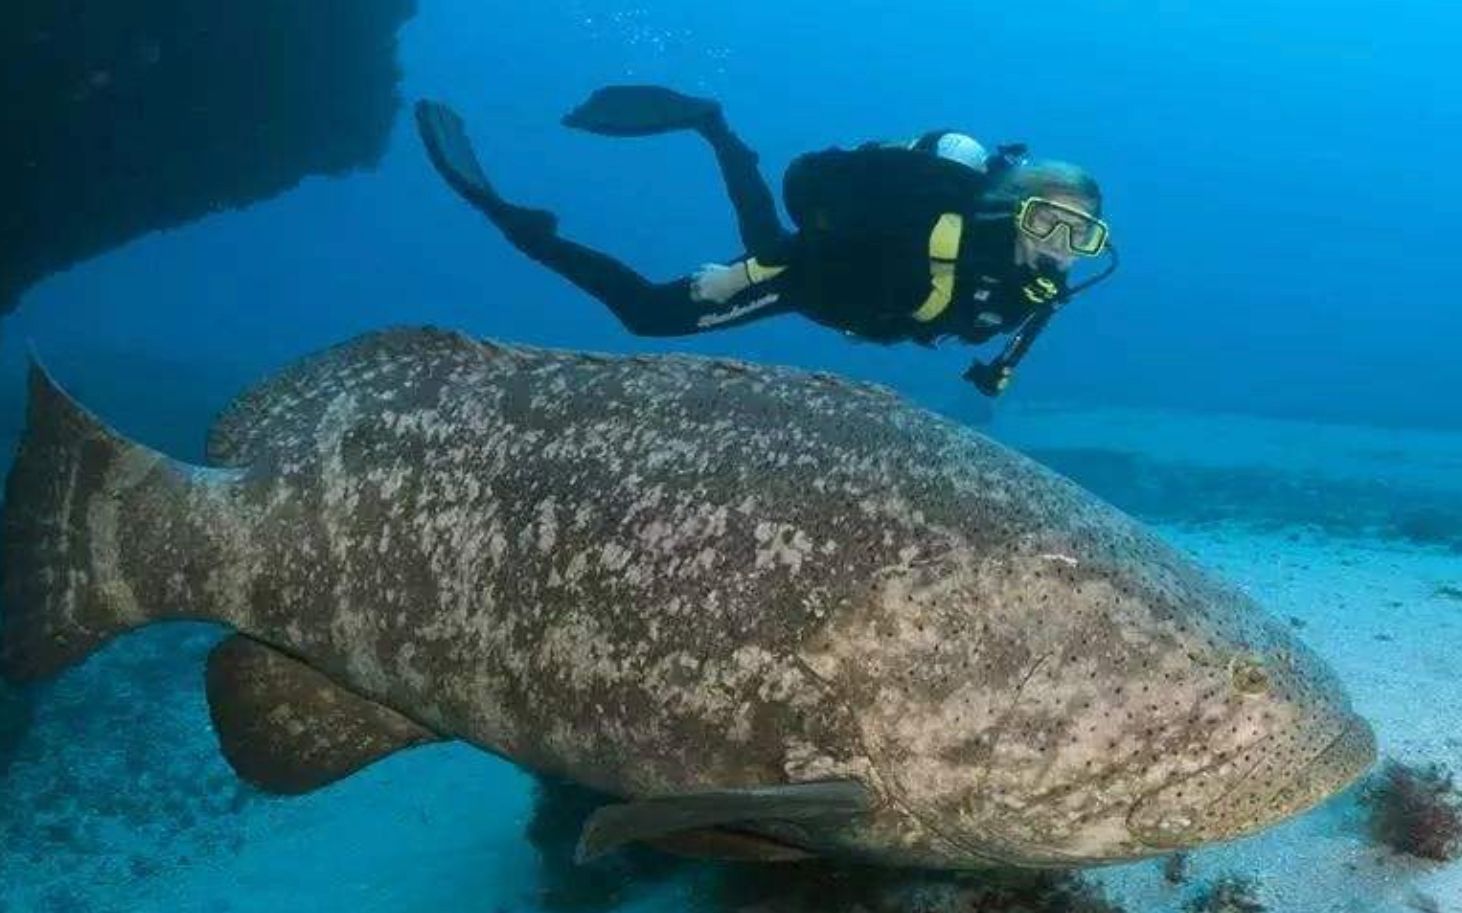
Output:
(859, 263)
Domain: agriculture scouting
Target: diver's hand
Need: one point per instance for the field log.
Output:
(990, 380)
(718, 283)
(1043, 290)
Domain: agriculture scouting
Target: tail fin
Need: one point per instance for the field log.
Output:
(64, 520)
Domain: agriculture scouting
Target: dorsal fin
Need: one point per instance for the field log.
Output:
(296, 396)
(291, 403)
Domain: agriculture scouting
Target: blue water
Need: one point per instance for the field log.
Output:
(1278, 176)
(1281, 178)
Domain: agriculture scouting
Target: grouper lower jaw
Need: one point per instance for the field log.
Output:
(1240, 811)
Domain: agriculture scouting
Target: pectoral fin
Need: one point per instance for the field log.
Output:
(729, 846)
(288, 729)
(612, 826)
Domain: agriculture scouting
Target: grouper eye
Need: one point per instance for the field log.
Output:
(1249, 675)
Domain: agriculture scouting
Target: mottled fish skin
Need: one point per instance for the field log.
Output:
(657, 574)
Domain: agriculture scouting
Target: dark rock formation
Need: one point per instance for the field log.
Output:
(1269, 499)
(122, 118)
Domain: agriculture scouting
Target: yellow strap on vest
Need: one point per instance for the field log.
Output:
(943, 252)
(756, 273)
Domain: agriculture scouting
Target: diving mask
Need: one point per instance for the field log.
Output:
(1042, 218)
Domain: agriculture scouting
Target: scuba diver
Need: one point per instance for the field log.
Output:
(917, 241)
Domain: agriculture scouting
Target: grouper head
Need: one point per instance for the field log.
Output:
(1059, 687)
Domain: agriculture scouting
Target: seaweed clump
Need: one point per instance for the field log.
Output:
(1229, 894)
(1175, 868)
(1416, 811)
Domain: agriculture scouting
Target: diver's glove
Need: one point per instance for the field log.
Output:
(1042, 291)
(990, 379)
(1043, 295)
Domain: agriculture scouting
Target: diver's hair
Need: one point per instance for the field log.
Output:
(1045, 178)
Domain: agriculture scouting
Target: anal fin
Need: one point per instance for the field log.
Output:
(287, 728)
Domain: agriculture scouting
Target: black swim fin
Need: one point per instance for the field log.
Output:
(450, 151)
(641, 111)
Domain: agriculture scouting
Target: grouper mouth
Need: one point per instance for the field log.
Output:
(1191, 811)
